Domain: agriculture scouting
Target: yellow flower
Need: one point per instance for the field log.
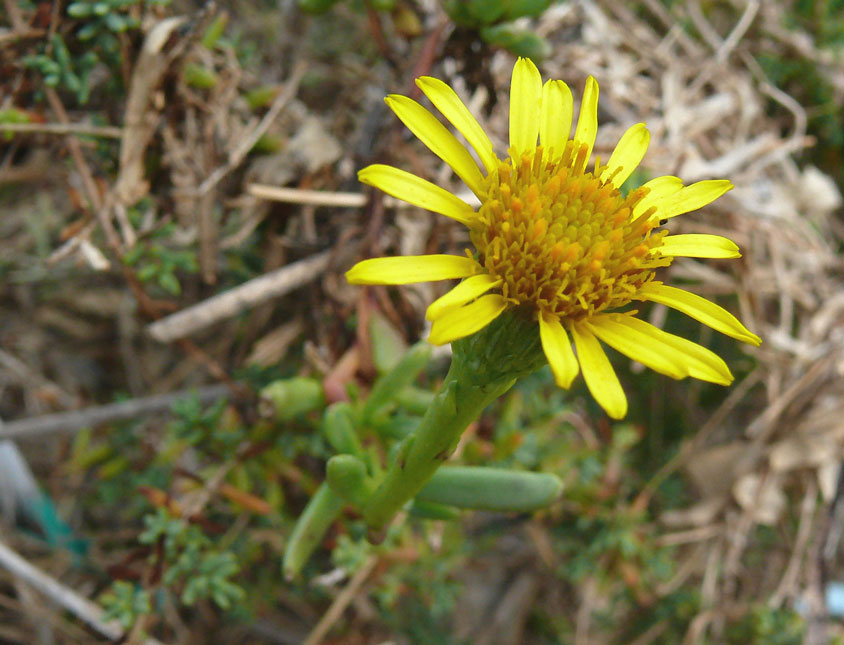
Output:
(555, 238)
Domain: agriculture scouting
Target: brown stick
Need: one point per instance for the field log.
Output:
(88, 182)
(78, 605)
(341, 602)
(75, 420)
(237, 155)
(232, 302)
(78, 129)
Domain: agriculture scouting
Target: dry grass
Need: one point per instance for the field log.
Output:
(77, 324)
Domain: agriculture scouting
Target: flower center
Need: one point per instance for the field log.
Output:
(562, 238)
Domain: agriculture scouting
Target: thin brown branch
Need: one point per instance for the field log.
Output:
(76, 129)
(239, 153)
(87, 611)
(75, 420)
(234, 301)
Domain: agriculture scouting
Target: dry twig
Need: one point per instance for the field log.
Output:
(76, 420)
(64, 596)
(234, 301)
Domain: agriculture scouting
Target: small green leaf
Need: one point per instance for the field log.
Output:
(382, 5)
(316, 6)
(486, 12)
(387, 387)
(346, 475)
(79, 9)
(310, 528)
(215, 31)
(170, 283)
(518, 41)
(432, 510)
(288, 398)
(116, 23)
(388, 345)
(198, 76)
(261, 97)
(340, 430)
(530, 8)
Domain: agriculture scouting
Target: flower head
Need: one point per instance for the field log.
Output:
(555, 238)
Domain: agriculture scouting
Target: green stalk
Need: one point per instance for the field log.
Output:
(484, 366)
(455, 406)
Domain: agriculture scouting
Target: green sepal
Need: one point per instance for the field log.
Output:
(506, 349)
(339, 429)
(491, 489)
(321, 511)
(432, 510)
(346, 475)
(387, 387)
(484, 366)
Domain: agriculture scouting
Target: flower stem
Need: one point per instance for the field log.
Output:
(459, 402)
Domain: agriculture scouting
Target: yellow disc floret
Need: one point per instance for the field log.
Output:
(562, 238)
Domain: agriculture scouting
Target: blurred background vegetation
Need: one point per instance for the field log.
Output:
(142, 143)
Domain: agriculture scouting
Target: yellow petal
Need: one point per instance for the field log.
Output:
(525, 98)
(417, 191)
(412, 268)
(598, 373)
(435, 135)
(558, 351)
(466, 291)
(691, 198)
(698, 362)
(636, 345)
(555, 117)
(658, 188)
(628, 153)
(698, 245)
(587, 120)
(700, 309)
(446, 101)
(692, 359)
(465, 321)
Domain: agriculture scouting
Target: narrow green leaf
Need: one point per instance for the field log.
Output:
(491, 489)
(310, 528)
